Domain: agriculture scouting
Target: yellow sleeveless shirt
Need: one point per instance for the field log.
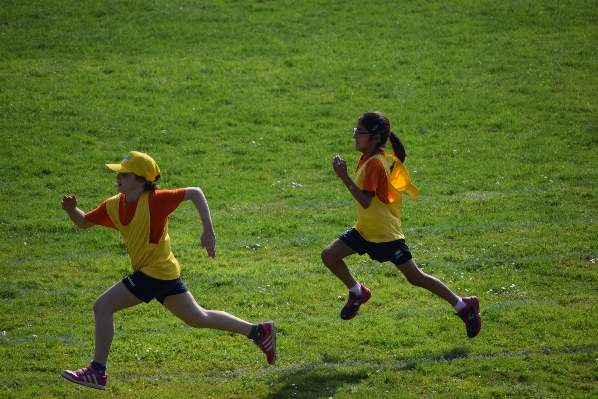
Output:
(380, 222)
(154, 260)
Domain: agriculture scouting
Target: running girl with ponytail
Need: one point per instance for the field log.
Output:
(379, 182)
(140, 213)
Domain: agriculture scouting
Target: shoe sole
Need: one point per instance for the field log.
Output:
(273, 334)
(87, 384)
(476, 307)
(359, 307)
(272, 342)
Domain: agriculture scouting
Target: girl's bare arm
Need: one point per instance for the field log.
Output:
(69, 204)
(208, 238)
(363, 197)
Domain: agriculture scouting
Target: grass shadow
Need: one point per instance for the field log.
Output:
(317, 381)
(323, 380)
(458, 352)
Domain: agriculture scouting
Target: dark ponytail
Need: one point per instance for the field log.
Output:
(397, 146)
(378, 123)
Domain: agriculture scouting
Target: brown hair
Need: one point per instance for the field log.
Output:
(150, 186)
(378, 123)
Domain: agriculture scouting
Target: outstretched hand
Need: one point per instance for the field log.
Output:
(69, 202)
(208, 241)
(339, 165)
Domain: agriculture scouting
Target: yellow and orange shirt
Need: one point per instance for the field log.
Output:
(144, 226)
(386, 176)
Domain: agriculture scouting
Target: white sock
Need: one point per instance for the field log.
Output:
(356, 290)
(460, 305)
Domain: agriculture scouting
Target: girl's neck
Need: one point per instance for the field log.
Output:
(371, 153)
(133, 195)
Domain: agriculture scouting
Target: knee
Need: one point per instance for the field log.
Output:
(101, 307)
(195, 323)
(98, 307)
(198, 320)
(327, 257)
(417, 279)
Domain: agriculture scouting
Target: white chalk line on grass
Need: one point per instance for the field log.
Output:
(280, 206)
(424, 261)
(299, 369)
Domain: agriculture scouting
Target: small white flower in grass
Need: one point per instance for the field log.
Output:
(24, 243)
(512, 286)
(3, 332)
(164, 131)
(34, 336)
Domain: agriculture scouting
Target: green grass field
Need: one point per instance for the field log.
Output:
(496, 102)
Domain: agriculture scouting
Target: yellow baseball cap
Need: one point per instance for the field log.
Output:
(139, 163)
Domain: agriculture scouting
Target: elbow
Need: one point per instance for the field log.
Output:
(85, 224)
(366, 204)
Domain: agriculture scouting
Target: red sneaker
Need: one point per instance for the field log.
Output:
(267, 343)
(471, 316)
(352, 307)
(87, 376)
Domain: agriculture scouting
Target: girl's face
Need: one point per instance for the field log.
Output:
(127, 182)
(365, 142)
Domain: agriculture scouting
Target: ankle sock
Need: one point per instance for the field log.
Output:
(256, 332)
(460, 305)
(101, 368)
(356, 290)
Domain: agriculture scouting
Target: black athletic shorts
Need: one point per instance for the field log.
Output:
(147, 288)
(396, 252)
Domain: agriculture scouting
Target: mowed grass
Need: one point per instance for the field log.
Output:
(496, 103)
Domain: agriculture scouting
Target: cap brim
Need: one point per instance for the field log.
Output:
(116, 167)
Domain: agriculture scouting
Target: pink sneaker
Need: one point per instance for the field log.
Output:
(267, 343)
(87, 376)
(471, 316)
(354, 303)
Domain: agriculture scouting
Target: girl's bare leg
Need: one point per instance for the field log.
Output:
(186, 308)
(333, 255)
(420, 279)
(116, 298)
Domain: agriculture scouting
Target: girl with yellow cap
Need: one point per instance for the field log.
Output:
(140, 213)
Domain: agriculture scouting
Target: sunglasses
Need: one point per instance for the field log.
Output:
(355, 131)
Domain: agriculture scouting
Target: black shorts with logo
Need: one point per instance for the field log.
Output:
(146, 288)
(396, 251)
